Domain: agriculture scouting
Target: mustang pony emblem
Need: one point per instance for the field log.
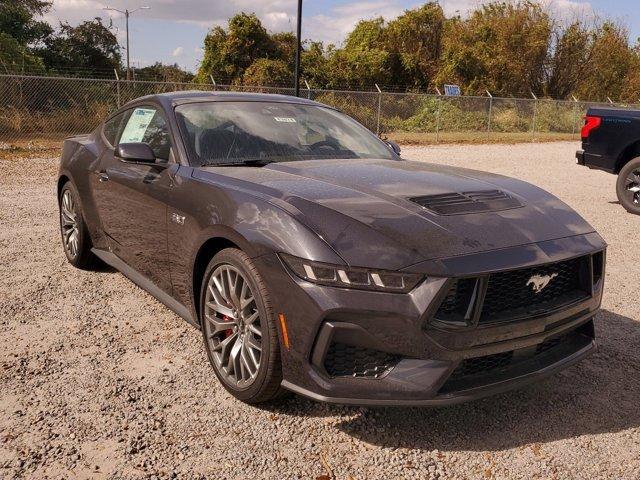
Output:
(540, 282)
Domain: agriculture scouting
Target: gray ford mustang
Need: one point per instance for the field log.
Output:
(315, 260)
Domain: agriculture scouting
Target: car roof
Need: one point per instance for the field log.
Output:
(170, 99)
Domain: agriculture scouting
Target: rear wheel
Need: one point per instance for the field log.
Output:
(75, 237)
(628, 186)
(240, 335)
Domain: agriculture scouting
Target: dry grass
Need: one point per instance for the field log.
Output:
(34, 147)
(408, 138)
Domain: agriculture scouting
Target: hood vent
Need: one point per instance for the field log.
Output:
(467, 202)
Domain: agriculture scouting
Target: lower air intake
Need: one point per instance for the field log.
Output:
(344, 360)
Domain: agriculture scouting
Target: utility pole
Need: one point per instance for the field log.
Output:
(298, 49)
(126, 14)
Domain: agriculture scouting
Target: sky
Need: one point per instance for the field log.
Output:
(173, 31)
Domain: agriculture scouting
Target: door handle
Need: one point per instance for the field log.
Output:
(103, 177)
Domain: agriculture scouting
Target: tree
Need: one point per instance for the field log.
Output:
(17, 20)
(265, 71)
(502, 47)
(414, 40)
(357, 68)
(363, 60)
(90, 46)
(509, 47)
(165, 73)
(284, 48)
(610, 63)
(15, 57)
(570, 60)
(228, 53)
(366, 35)
(313, 62)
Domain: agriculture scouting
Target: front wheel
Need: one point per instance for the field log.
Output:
(628, 186)
(75, 237)
(240, 335)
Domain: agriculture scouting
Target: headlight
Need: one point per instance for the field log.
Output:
(351, 277)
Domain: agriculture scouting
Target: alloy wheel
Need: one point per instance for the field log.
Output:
(233, 329)
(69, 223)
(632, 186)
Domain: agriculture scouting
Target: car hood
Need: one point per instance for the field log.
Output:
(364, 209)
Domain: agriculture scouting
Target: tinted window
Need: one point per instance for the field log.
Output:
(229, 132)
(111, 128)
(147, 125)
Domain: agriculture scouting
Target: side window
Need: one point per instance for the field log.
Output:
(111, 128)
(147, 125)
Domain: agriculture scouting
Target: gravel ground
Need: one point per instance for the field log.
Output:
(99, 380)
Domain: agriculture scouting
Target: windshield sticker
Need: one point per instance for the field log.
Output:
(137, 125)
(285, 119)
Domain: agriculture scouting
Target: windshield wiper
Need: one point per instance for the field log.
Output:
(255, 162)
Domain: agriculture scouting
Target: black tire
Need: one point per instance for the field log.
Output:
(266, 385)
(629, 200)
(82, 258)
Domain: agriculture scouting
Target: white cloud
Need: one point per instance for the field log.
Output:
(333, 26)
(568, 10)
(177, 52)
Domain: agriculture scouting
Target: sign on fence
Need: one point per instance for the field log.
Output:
(452, 90)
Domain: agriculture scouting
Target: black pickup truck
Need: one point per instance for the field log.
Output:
(611, 142)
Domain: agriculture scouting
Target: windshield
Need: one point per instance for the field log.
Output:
(219, 133)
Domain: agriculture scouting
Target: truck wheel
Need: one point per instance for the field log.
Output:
(628, 186)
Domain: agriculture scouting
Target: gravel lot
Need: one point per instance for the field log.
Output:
(99, 380)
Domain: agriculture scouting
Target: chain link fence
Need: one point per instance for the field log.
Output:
(36, 108)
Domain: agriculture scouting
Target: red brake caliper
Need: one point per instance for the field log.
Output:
(227, 333)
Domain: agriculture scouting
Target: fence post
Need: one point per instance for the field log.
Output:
(213, 81)
(308, 88)
(490, 109)
(438, 114)
(535, 115)
(379, 109)
(117, 87)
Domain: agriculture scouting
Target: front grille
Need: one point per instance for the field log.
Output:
(467, 202)
(479, 371)
(344, 360)
(523, 293)
(517, 294)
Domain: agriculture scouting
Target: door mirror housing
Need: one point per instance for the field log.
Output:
(137, 152)
(393, 146)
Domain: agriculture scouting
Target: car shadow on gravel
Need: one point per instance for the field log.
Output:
(599, 395)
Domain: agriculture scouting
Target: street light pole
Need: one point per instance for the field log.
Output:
(126, 14)
(298, 49)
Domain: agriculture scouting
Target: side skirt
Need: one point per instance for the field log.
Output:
(146, 284)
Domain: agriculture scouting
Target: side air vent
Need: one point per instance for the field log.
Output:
(467, 202)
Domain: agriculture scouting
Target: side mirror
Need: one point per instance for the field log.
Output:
(393, 146)
(135, 152)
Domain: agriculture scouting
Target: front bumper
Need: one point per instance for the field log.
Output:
(424, 356)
